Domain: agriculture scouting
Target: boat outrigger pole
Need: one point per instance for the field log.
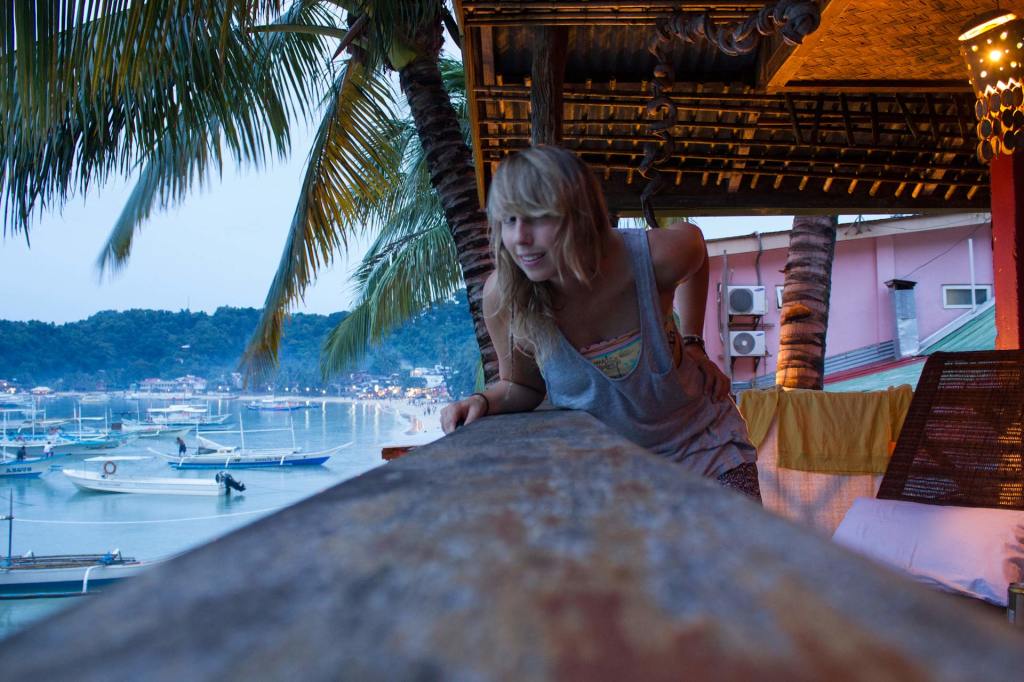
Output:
(10, 526)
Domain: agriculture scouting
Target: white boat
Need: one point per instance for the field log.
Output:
(107, 478)
(277, 405)
(184, 415)
(129, 428)
(62, 575)
(212, 455)
(49, 445)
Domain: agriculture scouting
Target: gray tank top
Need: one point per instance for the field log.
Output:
(657, 405)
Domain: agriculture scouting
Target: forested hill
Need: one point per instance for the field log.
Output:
(119, 348)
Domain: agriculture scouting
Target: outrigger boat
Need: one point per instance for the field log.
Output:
(108, 480)
(184, 415)
(61, 575)
(134, 429)
(212, 455)
(26, 467)
(276, 405)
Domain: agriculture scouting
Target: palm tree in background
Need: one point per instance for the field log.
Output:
(172, 90)
(412, 263)
(803, 322)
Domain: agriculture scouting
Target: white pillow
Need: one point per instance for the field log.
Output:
(966, 550)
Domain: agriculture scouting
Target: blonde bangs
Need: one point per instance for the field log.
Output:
(521, 188)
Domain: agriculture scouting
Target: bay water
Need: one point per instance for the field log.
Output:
(52, 516)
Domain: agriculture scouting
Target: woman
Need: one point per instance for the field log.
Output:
(582, 312)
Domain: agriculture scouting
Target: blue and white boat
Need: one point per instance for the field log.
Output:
(212, 455)
(27, 467)
(277, 405)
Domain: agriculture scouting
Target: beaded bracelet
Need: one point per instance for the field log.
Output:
(487, 403)
(692, 340)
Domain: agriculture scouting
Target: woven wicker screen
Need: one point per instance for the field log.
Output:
(963, 437)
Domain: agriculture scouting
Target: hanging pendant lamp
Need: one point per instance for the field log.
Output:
(992, 45)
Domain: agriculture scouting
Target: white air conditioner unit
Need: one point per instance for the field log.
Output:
(747, 344)
(746, 300)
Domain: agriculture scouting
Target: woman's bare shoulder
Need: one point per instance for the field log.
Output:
(677, 251)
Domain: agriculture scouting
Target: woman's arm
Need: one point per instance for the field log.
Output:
(520, 387)
(681, 266)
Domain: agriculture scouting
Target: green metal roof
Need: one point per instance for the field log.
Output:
(976, 334)
(879, 381)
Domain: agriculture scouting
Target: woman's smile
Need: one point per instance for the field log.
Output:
(530, 260)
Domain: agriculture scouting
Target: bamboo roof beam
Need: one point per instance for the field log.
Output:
(581, 132)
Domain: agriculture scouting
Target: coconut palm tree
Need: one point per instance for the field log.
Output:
(169, 89)
(412, 263)
(803, 322)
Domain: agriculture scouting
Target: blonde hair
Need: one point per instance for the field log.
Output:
(546, 181)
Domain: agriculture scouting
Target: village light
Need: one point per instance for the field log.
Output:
(992, 46)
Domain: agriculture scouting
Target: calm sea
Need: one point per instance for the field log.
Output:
(53, 517)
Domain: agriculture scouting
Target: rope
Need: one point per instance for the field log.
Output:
(135, 523)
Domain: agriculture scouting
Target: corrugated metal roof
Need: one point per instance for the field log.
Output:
(879, 381)
(977, 334)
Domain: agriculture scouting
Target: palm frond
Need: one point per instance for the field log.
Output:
(412, 264)
(284, 64)
(354, 165)
(87, 112)
(404, 282)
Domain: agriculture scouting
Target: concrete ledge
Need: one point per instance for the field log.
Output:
(537, 546)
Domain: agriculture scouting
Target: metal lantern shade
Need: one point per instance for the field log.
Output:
(992, 45)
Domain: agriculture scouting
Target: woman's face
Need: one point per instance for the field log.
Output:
(531, 241)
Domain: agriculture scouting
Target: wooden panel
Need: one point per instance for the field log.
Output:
(881, 40)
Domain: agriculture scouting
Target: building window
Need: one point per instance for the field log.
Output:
(778, 296)
(959, 295)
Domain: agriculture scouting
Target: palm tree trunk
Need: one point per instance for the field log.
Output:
(803, 322)
(452, 175)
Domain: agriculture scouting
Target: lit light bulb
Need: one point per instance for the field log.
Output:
(995, 55)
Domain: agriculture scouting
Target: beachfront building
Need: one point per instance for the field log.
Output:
(186, 384)
(898, 285)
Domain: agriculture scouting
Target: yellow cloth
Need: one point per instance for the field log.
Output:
(831, 433)
(758, 409)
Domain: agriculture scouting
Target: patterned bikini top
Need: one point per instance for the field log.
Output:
(617, 357)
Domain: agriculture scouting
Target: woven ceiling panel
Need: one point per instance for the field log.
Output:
(894, 40)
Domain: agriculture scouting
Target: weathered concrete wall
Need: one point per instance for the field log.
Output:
(525, 547)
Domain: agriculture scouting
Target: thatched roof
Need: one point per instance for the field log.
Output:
(872, 113)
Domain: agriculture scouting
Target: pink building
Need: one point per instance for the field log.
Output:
(919, 269)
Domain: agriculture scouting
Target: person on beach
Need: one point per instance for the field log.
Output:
(583, 313)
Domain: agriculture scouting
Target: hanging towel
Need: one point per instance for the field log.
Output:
(831, 433)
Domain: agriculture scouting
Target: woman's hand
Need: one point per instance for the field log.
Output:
(465, 411)
(716, 385)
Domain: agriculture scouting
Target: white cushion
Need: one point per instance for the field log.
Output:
(966, 550)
